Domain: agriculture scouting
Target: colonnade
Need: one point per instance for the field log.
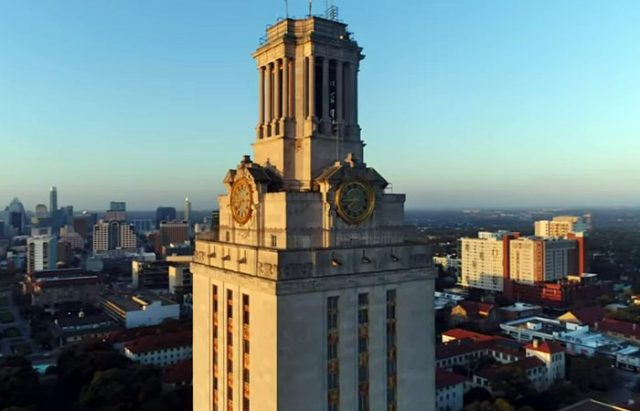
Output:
(277, 89)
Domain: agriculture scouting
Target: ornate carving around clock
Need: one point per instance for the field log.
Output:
(241, 199)
(355, 201)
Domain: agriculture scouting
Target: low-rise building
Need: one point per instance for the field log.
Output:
(49, 289)
(160, 350)
(450, 389)
(71, 330)
(140, 310)
(623, 330)
(519, 310)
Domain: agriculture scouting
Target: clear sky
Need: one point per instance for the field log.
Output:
(462, 103)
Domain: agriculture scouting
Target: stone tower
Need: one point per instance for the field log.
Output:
(309, 297)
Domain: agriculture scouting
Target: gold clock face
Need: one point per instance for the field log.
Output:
(241, 197)
(355, 201)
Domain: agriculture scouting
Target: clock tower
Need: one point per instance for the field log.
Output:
(310, 295)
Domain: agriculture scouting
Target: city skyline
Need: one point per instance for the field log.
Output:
(128, 102)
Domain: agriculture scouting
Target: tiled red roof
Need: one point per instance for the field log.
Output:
(459, 334)
(446, 378)
(457, 347)
(619, 327)
(588, 315)
(159, 342)
(548, 347)
(178, 373)
(131, 334)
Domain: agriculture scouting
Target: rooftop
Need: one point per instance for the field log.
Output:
(160, 342)
(446, 378)
(137, 302)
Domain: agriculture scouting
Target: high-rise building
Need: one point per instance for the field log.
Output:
(534, 259)
(165, 214)
(484, 261)
(42, 251)
(53, 202)
(559, 226)
(118, 206)
(172, 232)
(113, 235)
(311, 298)
(42, 211)
(17, 217)
(117, 212)
(186, 212)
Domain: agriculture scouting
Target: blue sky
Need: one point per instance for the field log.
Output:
(462, 103)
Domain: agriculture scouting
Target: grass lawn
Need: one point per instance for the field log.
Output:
(21, 349)
(6, 317)
(12, 332)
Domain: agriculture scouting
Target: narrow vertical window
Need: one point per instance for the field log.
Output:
(245, 353)
(363, 352)
(215, 347)
(392, 365)
(333, 370)
(229, 350)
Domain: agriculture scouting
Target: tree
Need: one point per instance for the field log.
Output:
(77, 366)
(512, 382)
(476, 394)
(122, 389)
(19, 383)
(590, 373)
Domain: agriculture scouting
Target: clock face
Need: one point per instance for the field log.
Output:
(241, 198)
(355, 201)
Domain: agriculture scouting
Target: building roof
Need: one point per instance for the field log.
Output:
(159, 342)
(585, 315)
(130, 334)
(68, 281)
(625, 328)
(456, 348)
(592, 405)
(476, 308)
(506, 346)
(526, 364)
(137, 302)
(548, 347)
(178, 373)
(446, 378)
(459, 334)
(68, 322)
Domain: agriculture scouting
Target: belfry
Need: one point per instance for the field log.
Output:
(310, 295)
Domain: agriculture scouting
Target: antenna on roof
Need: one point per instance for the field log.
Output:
(310, 7)
(286, 8)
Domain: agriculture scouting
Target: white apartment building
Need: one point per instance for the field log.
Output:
(559, 226)
(42, 253)
(482, 262)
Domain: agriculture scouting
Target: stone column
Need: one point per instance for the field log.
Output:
(285, 88)
(312, 82)
(351, 94)
(269, 98)
(260, 102)
(325, 96)
(339, 94)
(277, 114)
